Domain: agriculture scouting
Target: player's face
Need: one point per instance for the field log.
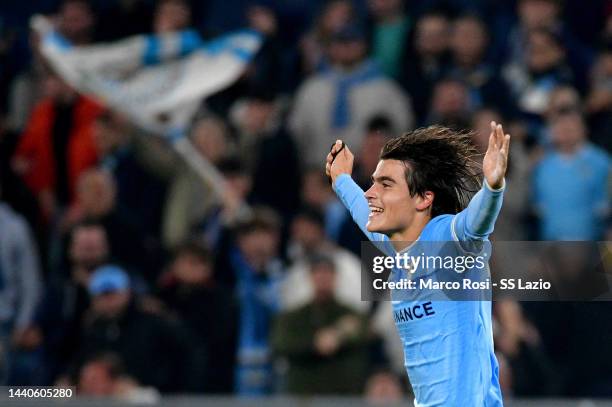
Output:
(392, 209)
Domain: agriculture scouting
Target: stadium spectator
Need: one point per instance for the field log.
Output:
(450, 104)
(171, 15)
(427, 61)
(156, 351)
(262, 19)
(535, 15)
(267, 69)
(323, 341)
(563, 99)
(188, 288)
(327, 105)
(390, 29)
(598, 104)
(13, 192)
(258, 272)
(334, 15)
(190, 200)
(531, 373)
(96, 199)
(103, 376)
(57, 145)
(569, 183)
(25, 91)
(60, 317)
(96, 196)
(215, 229)
(600, 81)
(532, 14)
(140, 192)
(468, 44)
(268, 152)
(20, 292)
(545, 67)
(76, 21)
(308, 238)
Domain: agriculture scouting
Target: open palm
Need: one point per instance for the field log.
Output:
(495, 161)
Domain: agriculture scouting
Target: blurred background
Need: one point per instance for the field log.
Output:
(123, 274)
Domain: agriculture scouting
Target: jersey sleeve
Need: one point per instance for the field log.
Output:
(352, 197)
(476, 222)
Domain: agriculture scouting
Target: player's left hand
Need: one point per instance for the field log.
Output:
(495, 160)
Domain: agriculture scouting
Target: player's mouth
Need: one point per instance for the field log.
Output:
(375, 211)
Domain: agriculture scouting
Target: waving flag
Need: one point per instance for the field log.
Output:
(158, 81)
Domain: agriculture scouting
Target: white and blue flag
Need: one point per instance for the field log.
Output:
(157, 80)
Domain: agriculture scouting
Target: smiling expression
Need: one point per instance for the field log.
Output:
(392, 208)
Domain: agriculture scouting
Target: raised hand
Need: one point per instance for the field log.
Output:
(339, 161)
(495, 161)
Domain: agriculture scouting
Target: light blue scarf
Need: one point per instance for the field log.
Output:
(258, 296)
(341, 113)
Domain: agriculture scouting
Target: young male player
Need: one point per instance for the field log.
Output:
(421, 189)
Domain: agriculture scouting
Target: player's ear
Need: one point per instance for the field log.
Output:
(424, 201)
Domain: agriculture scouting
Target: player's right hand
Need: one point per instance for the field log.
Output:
(341, 164)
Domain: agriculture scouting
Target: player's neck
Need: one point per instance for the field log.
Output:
(404, 238)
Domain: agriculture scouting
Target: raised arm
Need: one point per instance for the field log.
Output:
(352, 197)
(349, 193)
(476, 222)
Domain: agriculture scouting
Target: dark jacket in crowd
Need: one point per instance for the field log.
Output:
(155, 350)
(60, 318)
(211, 315)
(342, 372)
(276, 173)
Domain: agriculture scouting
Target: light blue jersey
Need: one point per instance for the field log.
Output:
(448, 345)
(568, 193)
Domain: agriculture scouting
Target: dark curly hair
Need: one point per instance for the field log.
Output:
(440, 160)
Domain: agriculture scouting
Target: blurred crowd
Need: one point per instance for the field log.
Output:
(122, 273)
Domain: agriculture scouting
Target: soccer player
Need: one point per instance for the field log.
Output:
(421, 189)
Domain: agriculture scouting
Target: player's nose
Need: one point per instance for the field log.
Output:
(370, 193)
